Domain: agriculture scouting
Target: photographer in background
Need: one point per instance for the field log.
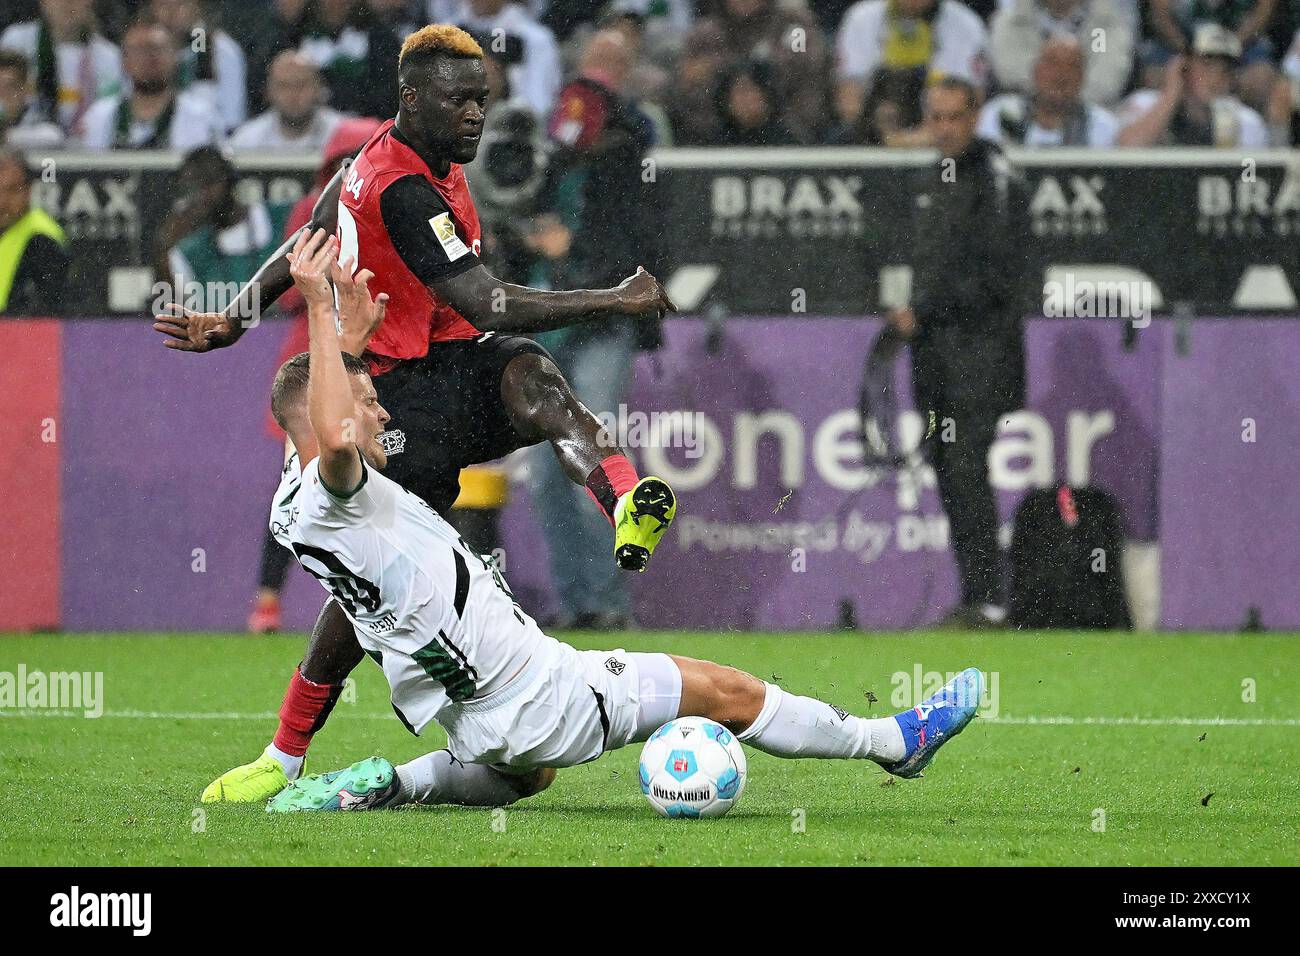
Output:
(605, 228)
(33, 261)
(969, 230)
(509, 178)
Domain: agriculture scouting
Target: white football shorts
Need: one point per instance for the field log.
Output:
(566, 707)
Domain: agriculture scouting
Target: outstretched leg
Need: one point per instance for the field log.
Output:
(542, 406)
(774, 721)
(780, 723)
(762, 715)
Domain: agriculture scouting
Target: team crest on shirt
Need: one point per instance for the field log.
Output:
(445, 232)
(392, 441)
(614, 666)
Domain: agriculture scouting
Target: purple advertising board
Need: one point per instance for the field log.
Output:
(779, 524)
(1229, 490)
(168, 471)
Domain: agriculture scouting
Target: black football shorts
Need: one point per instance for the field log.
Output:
(447, 413)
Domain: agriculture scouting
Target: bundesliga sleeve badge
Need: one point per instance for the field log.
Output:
(447, 238)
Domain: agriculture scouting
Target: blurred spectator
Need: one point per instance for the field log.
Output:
(1103, 35)
(601, 137)
(297, 120)
(212, 241)
(666, 21)
(21, 125)
(1284, 105)
(1056, 114)
(1195, 107)
(387, 24)
(609, 228)
(334, 36)
(348, 138)
(155, 114)
(73, 65)
(891, 114)
(1177, 22)
(922, 36)
(1174, 22)
(16, 11)
(512, 35)
(211, 62)
(740, 31)
(830, 13)
(355, 44)
(691, 102)
(33, 263)
(969, 298)
(647, 83)
(747, 106)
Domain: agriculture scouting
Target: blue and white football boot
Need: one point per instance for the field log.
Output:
(936, 720)
(369, 784)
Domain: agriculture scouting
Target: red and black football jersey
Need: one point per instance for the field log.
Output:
(411, 229)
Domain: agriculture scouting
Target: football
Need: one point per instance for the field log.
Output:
(692, 767)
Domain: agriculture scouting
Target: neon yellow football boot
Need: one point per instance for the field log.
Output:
(254, 782)
(640, 519)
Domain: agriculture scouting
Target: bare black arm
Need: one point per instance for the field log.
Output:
(495, 306)
(189, 331)
(272, 279)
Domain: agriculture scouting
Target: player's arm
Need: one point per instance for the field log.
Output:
(330, 404)
(421, 229)
(496, 306)
(191, 331)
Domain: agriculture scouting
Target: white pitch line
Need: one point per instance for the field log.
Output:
(1031, 721)
(1066, 721)
(178, 715)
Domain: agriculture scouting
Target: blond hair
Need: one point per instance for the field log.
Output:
(440, 38)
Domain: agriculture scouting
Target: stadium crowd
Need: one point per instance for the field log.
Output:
(281, 74)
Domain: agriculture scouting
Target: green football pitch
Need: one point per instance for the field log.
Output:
(1095, 749)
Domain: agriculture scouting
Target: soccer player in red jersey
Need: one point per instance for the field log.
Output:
(449, 364)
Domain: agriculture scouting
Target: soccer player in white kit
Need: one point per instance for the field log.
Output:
(459, 651)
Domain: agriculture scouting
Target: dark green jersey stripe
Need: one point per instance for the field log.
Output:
(454, 674)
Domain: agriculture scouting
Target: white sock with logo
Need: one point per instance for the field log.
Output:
(793, 726)
(292, 765)
(441, 778)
